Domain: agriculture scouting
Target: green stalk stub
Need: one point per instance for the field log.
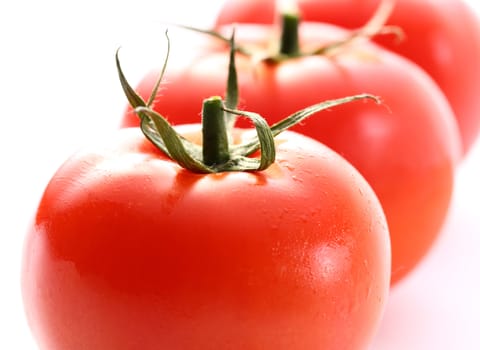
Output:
(289, 42)
(214, 132)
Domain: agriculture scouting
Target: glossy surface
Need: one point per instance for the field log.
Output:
(406, 148)
(128, 251)
(442, 36)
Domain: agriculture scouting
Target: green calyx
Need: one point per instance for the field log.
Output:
(218, 153)
(288, 45)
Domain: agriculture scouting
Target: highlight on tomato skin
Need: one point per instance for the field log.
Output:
(442, 37)
(128, 250)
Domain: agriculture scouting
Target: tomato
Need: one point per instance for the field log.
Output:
(128, 250)
(407, 150)
(443, 37)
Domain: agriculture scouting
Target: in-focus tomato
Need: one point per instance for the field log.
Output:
(407, 151)
(130, 251)
(442, 36)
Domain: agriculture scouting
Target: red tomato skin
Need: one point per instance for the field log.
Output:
(407, 149)
(128, 251)
(442, 37)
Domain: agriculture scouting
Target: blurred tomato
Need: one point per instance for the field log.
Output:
(442, 36)
(406, 149)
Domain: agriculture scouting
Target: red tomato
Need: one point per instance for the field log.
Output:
(130, 251)
(443, 37)
(406, 150)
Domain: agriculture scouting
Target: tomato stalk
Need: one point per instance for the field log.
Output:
(289, 39)
(214, 132)
(290, 22)
(218, 153)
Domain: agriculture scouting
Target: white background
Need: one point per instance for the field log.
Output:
(59, 88)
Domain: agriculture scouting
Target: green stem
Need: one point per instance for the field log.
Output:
(289, 43)
(215, 137)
